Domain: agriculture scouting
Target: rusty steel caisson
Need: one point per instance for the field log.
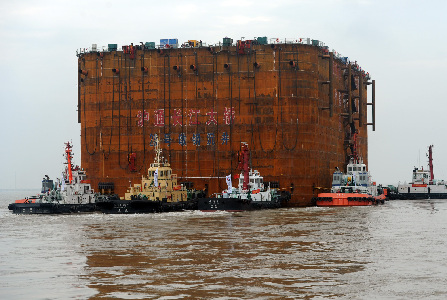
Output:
(294, 103)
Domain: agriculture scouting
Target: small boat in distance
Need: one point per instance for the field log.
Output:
(353, 188)
(251, 194)
(423, 184)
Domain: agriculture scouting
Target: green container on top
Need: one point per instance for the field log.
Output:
(112, 47)
(149, 45)
(262, 40)
(227, 41)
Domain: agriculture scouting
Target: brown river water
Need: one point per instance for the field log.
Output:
(394, 251)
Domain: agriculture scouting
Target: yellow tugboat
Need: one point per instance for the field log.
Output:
(157, 192)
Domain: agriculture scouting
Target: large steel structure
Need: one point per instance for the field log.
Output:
(295, 104)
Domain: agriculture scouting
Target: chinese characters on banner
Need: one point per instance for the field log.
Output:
(192, 118)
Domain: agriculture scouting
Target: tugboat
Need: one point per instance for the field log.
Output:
(71, 194)
(251, 193)
(424, 184)
(158, 192)
(353, 188)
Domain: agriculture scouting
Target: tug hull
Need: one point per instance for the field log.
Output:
(348, 199)
(50, 208)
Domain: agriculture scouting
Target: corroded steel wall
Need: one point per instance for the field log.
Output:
(203, 102)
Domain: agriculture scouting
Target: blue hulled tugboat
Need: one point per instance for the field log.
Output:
(251, 194)
(70, 194)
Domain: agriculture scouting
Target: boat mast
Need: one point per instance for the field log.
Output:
(430, 163)
(244, 158)
(354, 153)
(68, 157)
(158, 156)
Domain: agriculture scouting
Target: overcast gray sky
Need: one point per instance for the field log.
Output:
(400, 43)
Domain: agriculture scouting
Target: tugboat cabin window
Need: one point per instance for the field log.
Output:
(349, 169)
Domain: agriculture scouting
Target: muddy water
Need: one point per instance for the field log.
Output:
(394, 251)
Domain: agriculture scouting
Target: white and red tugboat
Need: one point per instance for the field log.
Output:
(251, 194)
(353, 188)
(71, 194)
(423, 184)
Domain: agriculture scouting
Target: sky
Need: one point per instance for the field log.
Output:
(401, 43)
